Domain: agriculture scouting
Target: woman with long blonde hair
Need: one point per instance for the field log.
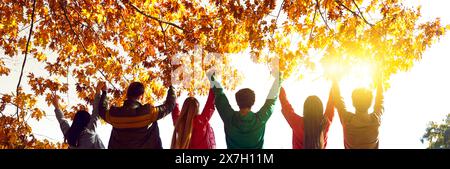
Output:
(192, 130)
(311, 130)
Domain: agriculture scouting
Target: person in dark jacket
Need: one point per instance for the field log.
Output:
(134, 124)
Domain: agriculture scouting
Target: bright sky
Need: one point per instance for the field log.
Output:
(415, 97)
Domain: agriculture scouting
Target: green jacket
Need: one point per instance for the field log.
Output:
(243, 131)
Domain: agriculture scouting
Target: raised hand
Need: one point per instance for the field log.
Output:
(210, 74)
(100, 86)
(282, 92)
(55, 101)
(212, 80)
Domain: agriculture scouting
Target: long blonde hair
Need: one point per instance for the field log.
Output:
(182, 133)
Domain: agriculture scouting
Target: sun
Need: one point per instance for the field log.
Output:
(361, 74)
(356, 74)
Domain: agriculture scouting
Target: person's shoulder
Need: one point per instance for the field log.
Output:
(234, 114)
(143, 109)
(88, 133)
(217, 90)
(113, 110)
(125, 111)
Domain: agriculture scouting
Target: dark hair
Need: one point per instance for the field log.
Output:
(135, 90)
(362, 99)
(313, 127)
(245, 98)
(80, 122)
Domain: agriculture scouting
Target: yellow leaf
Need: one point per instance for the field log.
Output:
(85, 13)
(40, 56)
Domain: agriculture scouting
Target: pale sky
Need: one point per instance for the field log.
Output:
(414, 98)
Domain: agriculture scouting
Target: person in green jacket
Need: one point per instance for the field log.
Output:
(244, 129)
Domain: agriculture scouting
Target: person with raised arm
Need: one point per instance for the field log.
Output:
(81, 134)
(360, 128)
(135, 124)
(244, 129)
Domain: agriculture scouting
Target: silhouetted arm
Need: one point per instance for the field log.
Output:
(103, 106)
(328, 117)
(223, 106)
(266, 111)
(339, 103)
(63, 123)
(163, 110)
(379, 99)
(94, 117)
(288, 112)
(220, 99)
(209, 108)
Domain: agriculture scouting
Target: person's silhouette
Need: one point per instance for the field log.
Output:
(360, 128)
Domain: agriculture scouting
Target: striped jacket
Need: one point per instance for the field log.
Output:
(134, 124)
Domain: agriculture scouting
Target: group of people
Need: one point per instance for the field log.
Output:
(135, 124)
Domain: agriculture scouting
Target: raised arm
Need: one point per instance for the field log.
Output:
(223, 106)
(378, 108)
(220, 99)
(103, 106)
(63, 123)
(163, 110)
(328, 117)
(288, 112)
(339, 102)
(94, 117)
(266, 111)
(209, 108)
(329, 110)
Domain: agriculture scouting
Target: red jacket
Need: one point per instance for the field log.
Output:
(202, 133)
(296, 121)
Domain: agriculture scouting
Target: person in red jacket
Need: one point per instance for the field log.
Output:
(309, 131)
(192, 130)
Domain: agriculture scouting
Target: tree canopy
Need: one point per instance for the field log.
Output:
(155, 42)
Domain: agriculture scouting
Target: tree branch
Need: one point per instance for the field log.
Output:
(276, 20)
(84, 48)
(164, 35)
(278, 15)
(154, 18)
(104, 76)
(353, 12)
(26, 54)
(82, 44)
(71, 28)
(361, 14)
(279, 11)
(314, 21)
(26, 27)
(321, 15)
